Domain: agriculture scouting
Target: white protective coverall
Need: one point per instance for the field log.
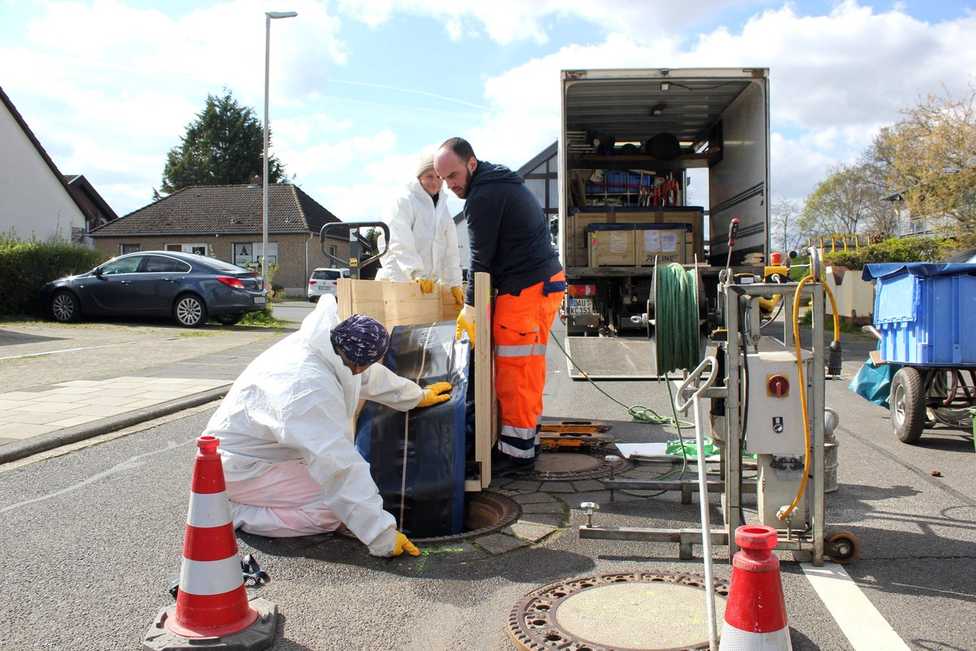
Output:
(423, 240)
(286, 439)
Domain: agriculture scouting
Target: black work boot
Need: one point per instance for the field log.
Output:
(505, 465)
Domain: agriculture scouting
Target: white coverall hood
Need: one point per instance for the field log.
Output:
(423, 240)
(296, 402)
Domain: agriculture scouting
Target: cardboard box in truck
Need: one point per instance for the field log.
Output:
(611, 245)
(664, 243)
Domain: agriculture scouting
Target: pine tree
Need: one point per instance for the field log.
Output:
(222, 145)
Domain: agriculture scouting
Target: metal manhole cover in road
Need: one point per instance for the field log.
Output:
(640, 611)
(572, 466)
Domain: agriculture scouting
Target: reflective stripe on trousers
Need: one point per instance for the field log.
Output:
(520, 328)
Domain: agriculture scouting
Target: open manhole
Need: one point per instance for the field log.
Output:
(640, 611)
(485, 512)
(572, 466)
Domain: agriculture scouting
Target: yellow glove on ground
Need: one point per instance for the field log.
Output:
(465, 323)
(403, 544)
(435, 394)
(458, 295)
(426, 285)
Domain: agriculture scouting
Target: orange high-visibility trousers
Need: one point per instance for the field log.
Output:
(520, 329)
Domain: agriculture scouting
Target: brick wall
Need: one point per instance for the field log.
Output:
(293, 265)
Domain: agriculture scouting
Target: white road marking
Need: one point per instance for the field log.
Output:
(854, 613)
(61, 350)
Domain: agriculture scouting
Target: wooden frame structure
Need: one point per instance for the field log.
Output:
(394, 304)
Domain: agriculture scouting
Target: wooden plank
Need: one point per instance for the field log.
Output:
(485, 423)
(394, 304)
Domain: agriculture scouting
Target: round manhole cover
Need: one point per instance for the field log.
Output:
(640, 611)
(572, 466)
(566, 462)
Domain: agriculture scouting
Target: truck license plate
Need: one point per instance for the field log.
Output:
(580, 306)
(260, 300)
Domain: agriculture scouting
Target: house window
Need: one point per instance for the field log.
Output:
(196, 248)
(129, 248)
(258, 250)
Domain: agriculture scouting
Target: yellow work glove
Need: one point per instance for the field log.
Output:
(458, 295)
(435, 394)
(465, 323)
(403, 544)
(426, 285)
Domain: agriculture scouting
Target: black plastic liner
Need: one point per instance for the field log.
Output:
(433, 499)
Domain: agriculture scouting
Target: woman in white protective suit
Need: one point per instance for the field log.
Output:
(286, 438)
(423, 237)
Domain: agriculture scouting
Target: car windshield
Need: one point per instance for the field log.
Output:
(326, 274)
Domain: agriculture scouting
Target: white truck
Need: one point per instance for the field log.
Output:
(627, 141)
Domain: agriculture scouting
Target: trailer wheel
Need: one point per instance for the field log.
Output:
(908, 405)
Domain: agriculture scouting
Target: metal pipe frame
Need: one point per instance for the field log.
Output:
(731, 460)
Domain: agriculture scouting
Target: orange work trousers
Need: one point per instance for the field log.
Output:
(520, 328)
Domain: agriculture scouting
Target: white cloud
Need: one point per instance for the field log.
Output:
(116, 84)
(379, 183)
(835, 80)
(508, 21)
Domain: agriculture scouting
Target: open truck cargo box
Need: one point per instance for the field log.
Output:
(613, 169)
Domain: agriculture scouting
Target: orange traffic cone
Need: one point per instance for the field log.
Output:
(212, 607)
(755, 613)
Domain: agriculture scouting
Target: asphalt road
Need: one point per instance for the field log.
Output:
(292, 310)
(90, 540)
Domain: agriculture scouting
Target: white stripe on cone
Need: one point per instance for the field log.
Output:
(734, 639)
(210, 577)
(208, 510)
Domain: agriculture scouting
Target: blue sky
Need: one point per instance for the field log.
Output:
(360, 89)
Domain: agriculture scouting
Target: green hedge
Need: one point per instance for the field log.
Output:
(26, 266)
(908, 249)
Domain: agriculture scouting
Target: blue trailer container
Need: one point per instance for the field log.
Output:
(926, 313)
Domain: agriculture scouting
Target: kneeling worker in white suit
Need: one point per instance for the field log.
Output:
(286, 439)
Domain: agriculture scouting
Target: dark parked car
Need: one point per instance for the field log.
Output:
(190, 288)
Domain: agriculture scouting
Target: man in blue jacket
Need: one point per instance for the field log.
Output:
(509, 236)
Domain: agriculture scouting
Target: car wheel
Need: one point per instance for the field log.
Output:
(65, 307)
(908, 405)
(190, 311)
(230, 319)
(313, 299)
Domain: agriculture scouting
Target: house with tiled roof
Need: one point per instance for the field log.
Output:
(35, 202)
(224, 222)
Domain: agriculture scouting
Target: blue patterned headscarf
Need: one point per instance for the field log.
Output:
(362, 339)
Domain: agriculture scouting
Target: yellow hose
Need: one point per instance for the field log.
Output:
(783, 514)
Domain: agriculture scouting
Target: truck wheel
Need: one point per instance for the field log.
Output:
(908, 405)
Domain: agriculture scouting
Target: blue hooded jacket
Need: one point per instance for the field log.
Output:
(508, 231)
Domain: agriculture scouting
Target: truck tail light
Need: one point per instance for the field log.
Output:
(581, 290)
(231, 281)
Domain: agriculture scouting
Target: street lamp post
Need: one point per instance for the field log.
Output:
(268, 17)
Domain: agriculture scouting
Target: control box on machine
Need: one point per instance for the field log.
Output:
(775, 417)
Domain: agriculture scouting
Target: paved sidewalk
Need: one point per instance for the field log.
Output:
(103, 378)
(80, 402)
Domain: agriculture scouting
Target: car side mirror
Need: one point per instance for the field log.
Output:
(98, 272)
